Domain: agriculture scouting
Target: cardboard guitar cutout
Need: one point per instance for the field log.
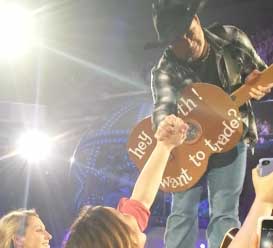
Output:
(215, 126)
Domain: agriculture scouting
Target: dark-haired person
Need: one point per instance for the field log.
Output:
(221, 55)
(106, 227)
(23, 229)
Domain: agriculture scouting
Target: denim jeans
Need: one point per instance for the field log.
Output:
(225, 178)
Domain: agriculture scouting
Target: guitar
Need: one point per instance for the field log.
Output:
(215, 126)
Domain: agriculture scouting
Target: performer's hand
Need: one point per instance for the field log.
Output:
(259, 91)
(172, 131)
(263, 186)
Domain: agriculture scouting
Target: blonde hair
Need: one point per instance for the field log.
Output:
(14, 223)
(99, 228)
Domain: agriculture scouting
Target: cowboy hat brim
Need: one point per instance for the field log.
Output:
(173, 19)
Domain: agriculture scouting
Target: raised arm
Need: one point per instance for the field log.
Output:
(262, 206)
(171, 132)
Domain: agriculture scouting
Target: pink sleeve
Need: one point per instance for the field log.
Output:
(136, 209)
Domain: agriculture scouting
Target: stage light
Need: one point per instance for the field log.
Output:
(17, 31)
(34, 146)
(72, 160)
(202, 245)
(266, 244)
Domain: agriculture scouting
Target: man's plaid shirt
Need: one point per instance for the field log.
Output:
(169, 76)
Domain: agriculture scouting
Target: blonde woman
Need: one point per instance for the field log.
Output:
(105, 227)
(23, 229)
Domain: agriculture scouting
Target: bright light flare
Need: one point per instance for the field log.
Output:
(72, 160)
(34, 146)
(267, 244)
(17, 31)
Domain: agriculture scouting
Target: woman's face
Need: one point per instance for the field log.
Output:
(36, 235)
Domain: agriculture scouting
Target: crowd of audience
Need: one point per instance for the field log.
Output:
(124, 226)
(265, 130)
(262, 40)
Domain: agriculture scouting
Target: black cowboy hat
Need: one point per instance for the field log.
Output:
(172, 18)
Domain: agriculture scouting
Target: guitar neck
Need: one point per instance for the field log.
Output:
(241, 95)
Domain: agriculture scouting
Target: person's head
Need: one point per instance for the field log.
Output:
(104, 227)
(23, 229)
(191, 45)
(177, 24)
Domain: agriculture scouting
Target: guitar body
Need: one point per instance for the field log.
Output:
(214, 126)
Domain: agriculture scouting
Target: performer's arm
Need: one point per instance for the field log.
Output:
(164, 95)
(252, 60)
(253, 64)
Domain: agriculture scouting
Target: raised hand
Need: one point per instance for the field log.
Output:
(172, 131)
(263, 186)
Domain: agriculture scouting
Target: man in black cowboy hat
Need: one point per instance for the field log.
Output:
(223, 55)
